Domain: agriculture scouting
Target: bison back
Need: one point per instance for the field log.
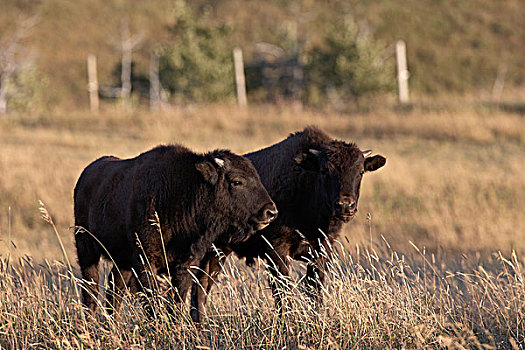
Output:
(101, 196)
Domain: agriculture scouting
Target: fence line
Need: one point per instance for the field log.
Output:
(240, 81)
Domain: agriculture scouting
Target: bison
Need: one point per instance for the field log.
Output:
(197, 198)
(315, 181)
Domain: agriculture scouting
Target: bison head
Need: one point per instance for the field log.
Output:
(340, 167)
(240, 197)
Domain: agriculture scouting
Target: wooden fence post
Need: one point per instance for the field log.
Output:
(126, 60)
(92, 83)
(154, 83)
(402, 71)
(239, 77)
(497, 88)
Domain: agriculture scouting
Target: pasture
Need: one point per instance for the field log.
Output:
(433, 259)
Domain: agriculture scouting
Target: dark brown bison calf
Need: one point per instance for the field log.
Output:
(315, 181)
(199, 199)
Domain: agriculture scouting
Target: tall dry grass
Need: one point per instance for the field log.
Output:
(374, 298)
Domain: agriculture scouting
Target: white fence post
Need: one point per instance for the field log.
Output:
(497, 88)
(92, 83)
(402, 71)
(154, 83)
(239, 77)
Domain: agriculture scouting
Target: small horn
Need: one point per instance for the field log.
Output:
(220, 162)
(367, 153)
(315, 152)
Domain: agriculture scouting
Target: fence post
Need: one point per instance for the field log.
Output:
(154, 83)
(92, 83)
(497, 88)
(402, 71)
(239, 77)
(126, 60)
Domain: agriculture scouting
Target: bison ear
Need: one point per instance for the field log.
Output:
(208, 171)
(374, 163)
(308, 160)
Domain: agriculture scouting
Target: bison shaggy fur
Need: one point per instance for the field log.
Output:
(315, 181)
(162, 210)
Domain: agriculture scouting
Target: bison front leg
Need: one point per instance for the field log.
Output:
(199, 288)
(210, 267)
(146, 270)
(181, 282)
(279, 273)
(315, 276)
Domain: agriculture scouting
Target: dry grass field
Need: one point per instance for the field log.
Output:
(433, 260)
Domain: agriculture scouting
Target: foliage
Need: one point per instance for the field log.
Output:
(349, 65)
(451, 46)
(26, 91)
(197, 65)
(344, 65)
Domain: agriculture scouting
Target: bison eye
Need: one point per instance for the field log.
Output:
(237, 183)
(361, 172)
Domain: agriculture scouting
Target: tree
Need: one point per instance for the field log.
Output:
(16, 69)
(347, 66)
(197, 64)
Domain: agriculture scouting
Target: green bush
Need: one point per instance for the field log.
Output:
(26, 91)
(347, 66)
(341, 67)
(197, 65)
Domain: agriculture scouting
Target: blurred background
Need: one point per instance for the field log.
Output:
(80, 79)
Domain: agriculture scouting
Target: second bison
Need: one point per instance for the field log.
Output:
(315, 181)
(198, 199)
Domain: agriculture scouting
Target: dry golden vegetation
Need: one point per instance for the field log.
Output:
(373, 299)
(453, 183)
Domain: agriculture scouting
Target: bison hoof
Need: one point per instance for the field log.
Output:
(195, 315)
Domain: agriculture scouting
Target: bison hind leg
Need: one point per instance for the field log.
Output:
(90, 291)
(88, 258)
(118, 281)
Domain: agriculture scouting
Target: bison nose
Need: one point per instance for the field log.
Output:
(268, 213)
(339, 206)
(271, 214)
